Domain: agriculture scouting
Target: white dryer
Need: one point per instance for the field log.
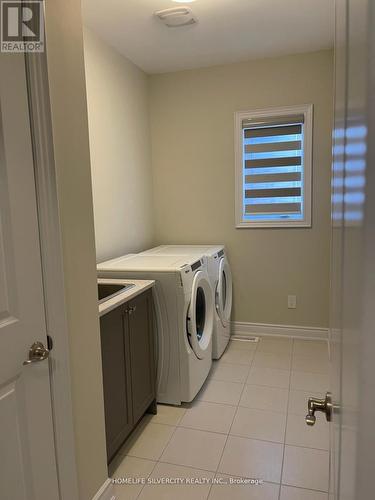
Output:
(184, 301)
(221, 281)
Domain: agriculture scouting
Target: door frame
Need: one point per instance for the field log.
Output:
(52, 272)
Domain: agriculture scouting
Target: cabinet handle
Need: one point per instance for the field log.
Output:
(132, 309)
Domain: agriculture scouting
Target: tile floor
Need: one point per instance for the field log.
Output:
(247, 422)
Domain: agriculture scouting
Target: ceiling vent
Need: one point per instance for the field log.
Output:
(176, 17)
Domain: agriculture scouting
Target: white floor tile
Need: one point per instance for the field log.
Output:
(253, 459)
(306, 468)
(192, 442)
(229, 372)
(212, 417)
(315, 382)
(298, 433)
(259, 424)
(164, 473)
(269, 377)
(239, 356)
(219, 391)
(127, 491)
(195, 448)
(274, 344)
(311, 363)
(298, 401)
(134, 469)
(243, 345)
(265, 398)
(237, 491)
(290, 493)
(148, 441)
(281, 361)
(310, 348)
(170, 415)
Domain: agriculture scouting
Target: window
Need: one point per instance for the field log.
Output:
(273, 167)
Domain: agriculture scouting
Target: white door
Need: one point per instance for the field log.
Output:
(337, 234)
(27, 455)
(353, 251)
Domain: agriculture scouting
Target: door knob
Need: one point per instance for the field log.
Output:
(323, 405)
(37, 352)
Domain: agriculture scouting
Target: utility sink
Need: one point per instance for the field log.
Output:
(108, 290)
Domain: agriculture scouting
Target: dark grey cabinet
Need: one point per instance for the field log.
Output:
(142, 366)
(116, 379)
(129, 374)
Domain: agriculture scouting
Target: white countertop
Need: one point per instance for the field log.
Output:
(139, 287)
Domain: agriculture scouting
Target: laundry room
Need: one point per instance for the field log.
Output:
(187, 278)
(210, 133)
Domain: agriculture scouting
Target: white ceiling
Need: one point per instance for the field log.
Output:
(228, 30)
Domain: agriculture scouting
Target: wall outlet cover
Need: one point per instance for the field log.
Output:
(292, 301)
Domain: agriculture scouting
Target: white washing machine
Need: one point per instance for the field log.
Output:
(184, 301)
(221, 281)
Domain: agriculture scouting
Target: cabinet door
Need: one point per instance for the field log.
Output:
(142, 353)
(116, 379)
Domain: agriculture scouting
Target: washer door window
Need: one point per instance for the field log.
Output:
(200, 315)
(224, 292)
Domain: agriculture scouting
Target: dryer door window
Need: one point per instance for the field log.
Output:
(200, 312)
(224, 289)
(224, 292)
(200, 315)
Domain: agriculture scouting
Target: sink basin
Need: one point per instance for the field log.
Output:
(108, 290)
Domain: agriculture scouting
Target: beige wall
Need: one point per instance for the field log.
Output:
(192, 121)
(117, 98)
(71, 149)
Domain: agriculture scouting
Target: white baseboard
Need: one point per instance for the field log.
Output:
(106, 492)
(292, 331)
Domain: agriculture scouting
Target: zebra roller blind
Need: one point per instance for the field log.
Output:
(273, 168)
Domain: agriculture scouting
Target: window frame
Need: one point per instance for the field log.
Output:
(307, 111)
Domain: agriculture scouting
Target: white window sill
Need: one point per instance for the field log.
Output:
(270, 225)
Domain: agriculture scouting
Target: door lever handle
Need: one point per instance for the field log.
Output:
(37, 352)
(323, 405)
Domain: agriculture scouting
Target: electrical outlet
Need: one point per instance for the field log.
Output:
(292, 301)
